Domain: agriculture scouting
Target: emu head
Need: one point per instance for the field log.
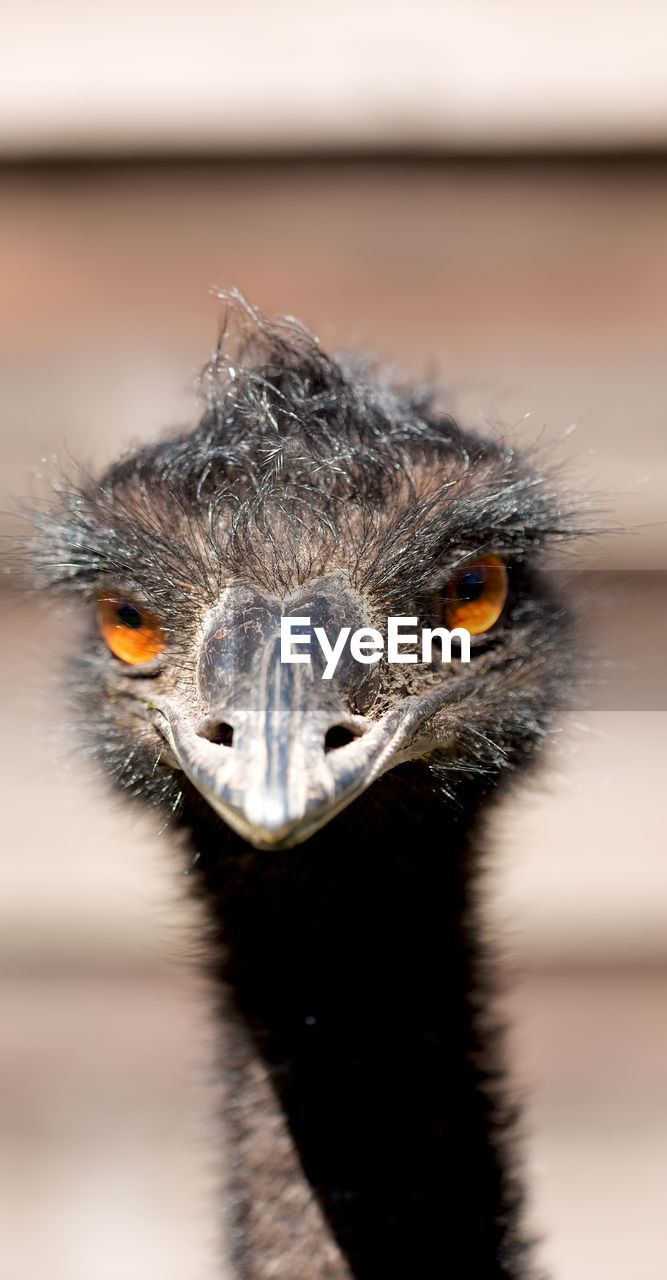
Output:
(309, 489)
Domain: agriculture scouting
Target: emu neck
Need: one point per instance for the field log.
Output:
(352, 963)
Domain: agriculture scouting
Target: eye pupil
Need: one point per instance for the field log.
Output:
(129, 616)
(469, 587)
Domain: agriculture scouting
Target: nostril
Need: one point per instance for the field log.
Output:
(338, 736)
(221, 733)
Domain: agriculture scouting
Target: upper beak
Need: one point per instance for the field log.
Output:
(262, 753)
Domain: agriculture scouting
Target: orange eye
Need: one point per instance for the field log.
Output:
(132, 633)
(476, 596)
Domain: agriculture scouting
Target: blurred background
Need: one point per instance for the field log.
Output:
(461, 186)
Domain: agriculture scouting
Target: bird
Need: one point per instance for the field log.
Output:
(337, 829)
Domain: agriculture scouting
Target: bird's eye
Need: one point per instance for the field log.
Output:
(475, 598)
(132, 633)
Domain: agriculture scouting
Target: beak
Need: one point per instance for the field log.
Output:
(278, 751)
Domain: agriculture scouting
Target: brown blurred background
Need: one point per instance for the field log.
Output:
(475, 188)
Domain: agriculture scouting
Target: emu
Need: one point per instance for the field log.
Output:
(337, 827)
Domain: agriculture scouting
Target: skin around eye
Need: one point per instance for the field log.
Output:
(132, 633)
(475, 598)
